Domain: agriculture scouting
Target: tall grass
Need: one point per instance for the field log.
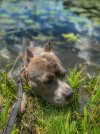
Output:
(7, 95)
(42, 118)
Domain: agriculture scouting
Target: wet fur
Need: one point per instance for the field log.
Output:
(46, 75)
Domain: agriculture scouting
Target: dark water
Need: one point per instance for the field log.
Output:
(74, 29)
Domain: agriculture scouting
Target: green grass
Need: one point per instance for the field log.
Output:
(42, 118)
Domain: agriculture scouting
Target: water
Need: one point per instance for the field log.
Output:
(73, 29)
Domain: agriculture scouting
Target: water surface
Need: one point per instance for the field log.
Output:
(74, 29)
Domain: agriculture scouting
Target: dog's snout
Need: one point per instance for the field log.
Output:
(69, 94)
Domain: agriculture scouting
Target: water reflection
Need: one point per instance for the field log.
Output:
(46, 20)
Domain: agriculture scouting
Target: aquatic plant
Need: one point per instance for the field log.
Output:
(7, 21)
(43, 37)
(70, 37)
(76, 19)
(23, 17)
(4, 15)
(77, 10)
(29, 22)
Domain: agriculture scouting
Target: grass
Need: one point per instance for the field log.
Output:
(42, 118)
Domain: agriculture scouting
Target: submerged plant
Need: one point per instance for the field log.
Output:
(70, 37)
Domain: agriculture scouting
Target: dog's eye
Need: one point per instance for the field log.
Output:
(49, 80)
(61, 74)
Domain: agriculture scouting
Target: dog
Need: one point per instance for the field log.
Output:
(46, 75)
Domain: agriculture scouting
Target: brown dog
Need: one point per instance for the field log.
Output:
(45, 73)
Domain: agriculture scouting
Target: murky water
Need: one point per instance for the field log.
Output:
(73, 29)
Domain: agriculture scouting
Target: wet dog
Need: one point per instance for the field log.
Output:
(46, 75)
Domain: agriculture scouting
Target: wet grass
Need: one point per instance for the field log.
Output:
(42, 118)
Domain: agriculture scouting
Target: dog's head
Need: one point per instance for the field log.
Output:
(46, 75)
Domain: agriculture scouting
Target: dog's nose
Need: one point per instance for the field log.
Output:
(69, 94)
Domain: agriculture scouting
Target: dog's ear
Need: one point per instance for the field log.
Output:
(47, 46)
(28, 55)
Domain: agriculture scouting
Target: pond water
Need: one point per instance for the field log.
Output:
(72, 26)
